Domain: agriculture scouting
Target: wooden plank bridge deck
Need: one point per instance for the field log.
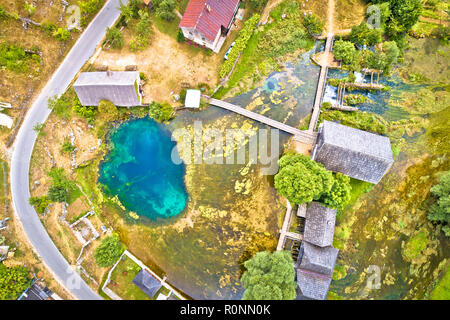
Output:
(299, 135)
(320, 87)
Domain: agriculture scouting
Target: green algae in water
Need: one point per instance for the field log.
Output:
(140, 171)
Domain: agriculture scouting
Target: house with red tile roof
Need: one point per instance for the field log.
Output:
(207, 22)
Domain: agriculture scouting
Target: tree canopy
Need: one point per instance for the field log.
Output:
(339, 194)
(109, 251)
(404, 14)
(13, 281)
(302, 180)
(269, 276)
(440, 211)
(345, 51)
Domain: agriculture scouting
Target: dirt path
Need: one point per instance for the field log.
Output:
(272, 4)
(330, 16)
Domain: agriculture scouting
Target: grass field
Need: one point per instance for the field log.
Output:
(121, 281)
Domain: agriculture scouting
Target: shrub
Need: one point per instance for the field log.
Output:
(241, 42)
(109, 251)
(313, 24)
(160, 111)
(57, 194)
(440, 211)
(87, 112)
(257, 4)
(61, 106)
(61, 34)
(39, 129)
(269, 276)
(40, 204)
(108, 110)
(180, 36)
(29, 8)
(363, 35)
(286, 37)
(13, 57)
(67, 147)
(114, 37)
(140, 41)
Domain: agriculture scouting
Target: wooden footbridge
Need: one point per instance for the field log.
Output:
(320, 86)
(299, 135)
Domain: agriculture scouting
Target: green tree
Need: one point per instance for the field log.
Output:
(108, 110)
(115, 37)
(109, 251)
(440, 211)
(301, 179)
(339, 194)
(313, 24)
(269, 276)
(165, 9)
(345, 51)
(13, 282)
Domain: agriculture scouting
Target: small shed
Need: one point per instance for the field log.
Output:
(317, 259)
(312, 285)
(120, 87)
(192, 99)
(359, 154)
(147, 283)
(319, 225)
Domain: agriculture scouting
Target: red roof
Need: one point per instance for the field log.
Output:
(208, 22)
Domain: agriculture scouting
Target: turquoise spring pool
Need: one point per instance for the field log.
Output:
(140, 171)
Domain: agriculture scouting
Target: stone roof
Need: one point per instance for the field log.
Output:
(359, 154)
(147, 283)
(319, 225)
(119, 87)
(317, 259)
(312, 285)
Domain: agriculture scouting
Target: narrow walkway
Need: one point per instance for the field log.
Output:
(299, 135)
(284, 232)
(320, 86)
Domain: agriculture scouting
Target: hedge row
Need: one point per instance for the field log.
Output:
(240, 44)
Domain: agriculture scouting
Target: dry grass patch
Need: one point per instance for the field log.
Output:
(348, 13)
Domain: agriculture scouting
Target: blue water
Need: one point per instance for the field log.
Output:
(140, 171)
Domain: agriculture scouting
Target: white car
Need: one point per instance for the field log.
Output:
(228, 51)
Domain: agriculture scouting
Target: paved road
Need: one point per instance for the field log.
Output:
(23, 147)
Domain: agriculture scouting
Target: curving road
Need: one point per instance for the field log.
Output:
(23, 147)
